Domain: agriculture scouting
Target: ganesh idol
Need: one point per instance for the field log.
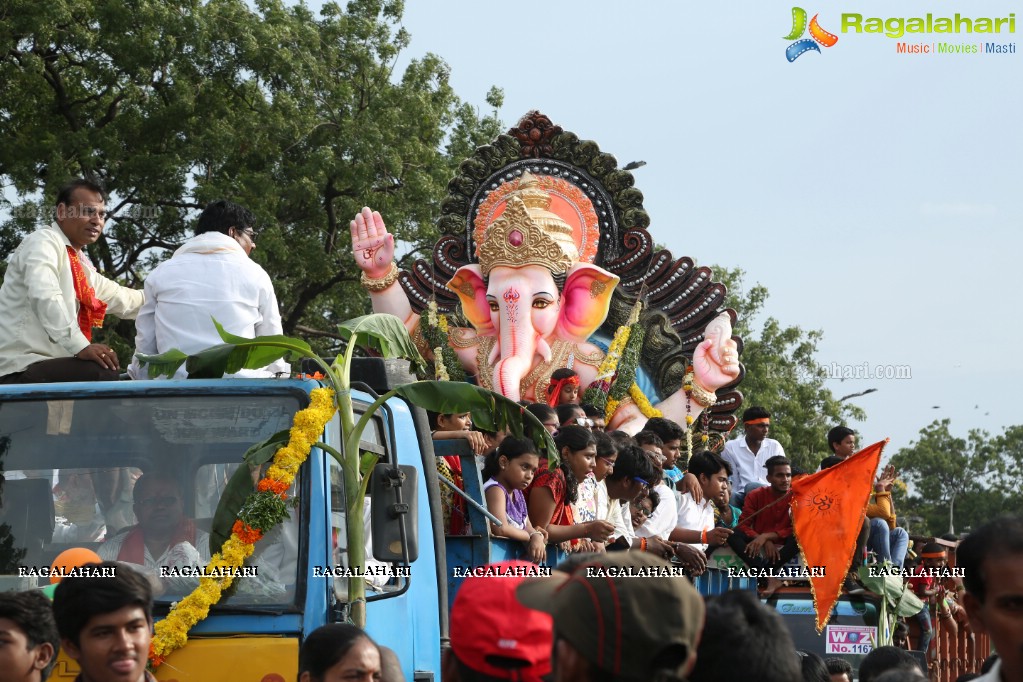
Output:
(537, 235)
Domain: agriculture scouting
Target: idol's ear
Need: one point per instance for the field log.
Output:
(468, 284)
(586, 300)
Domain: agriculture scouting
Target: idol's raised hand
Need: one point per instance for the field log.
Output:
(716, 359)
(372, 244)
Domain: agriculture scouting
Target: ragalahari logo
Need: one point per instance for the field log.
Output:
(817, 35)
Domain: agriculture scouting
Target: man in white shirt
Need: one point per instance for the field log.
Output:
(991, 559)
(663, 519)
(210, 277)
(52, 297)
(747, 454)
(695, 524)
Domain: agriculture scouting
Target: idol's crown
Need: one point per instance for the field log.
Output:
(528, 233)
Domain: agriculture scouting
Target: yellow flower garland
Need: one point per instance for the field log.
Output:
(171, 633)
(643, 403)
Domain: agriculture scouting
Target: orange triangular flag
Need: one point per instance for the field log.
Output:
(827, 514)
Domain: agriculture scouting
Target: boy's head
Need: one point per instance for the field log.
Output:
(756, 422)
(933, 555)
(991, 559)
(842, 441)
(671, 435)
(106, 623)
(830, 461)
(632, 475)
(779, 473)
(654, 446)
(28, 636)
(569, 413)
(711, 471)
(461, 421)
(596, 415)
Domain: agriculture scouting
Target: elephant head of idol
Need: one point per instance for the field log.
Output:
(534, 286)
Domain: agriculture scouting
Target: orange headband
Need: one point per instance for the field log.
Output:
(554, 388)
(932, 555)
(762, 420)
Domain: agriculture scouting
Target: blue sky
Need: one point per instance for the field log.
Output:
(876, 195)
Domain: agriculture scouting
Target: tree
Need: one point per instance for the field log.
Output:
(783, 375)
(950, 478)
(173, 104)
(1008, 449)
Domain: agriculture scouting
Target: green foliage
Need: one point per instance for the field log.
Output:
(490, 411)
(236, 353)
(300, 117)
(240, 486)
(783, 375)
(385, 335)
(895, 590)
(955, 482)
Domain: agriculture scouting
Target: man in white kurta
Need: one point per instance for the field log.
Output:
(45, 335)
(210, 277)
(747, 454)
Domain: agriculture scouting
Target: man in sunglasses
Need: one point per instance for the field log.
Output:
(210, 277)
(52, 298)
(162, 528)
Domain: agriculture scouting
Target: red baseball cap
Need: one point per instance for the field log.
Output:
(488, 623)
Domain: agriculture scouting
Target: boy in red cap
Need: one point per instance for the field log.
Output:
(493, 636)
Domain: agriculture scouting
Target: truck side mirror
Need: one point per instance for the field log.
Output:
(394, 508)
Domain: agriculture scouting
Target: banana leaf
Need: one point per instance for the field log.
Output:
(894, 590)
(490, 411)
(386, 335)
(236, 353)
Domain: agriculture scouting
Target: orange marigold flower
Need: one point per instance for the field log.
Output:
(274, 486)
(155, 660)
(246, 533)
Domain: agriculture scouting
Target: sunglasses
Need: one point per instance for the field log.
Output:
(642, 483)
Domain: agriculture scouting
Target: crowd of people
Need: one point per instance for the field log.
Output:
(612, 499)
(587, 621)
(613, 492)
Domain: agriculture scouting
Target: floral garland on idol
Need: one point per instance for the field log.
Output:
(435, 330)
(262, 511)
(616, 376)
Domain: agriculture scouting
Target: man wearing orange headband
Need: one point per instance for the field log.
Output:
(926, 587)
(748, 454)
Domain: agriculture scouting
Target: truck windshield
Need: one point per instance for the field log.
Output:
(136, 479)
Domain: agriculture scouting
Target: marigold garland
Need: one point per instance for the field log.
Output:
(597, 392)
(643, 403)
(617, 371)
(262, 511)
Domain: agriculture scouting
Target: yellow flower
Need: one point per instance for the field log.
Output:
(643, 403)
(610, 409)
(171, 633)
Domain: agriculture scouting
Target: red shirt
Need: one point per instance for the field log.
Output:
(775, 519)
(554, 479)
(919, 583)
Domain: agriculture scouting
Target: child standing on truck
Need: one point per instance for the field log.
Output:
(508, 471)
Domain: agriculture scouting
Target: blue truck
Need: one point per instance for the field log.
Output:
(70, 453)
